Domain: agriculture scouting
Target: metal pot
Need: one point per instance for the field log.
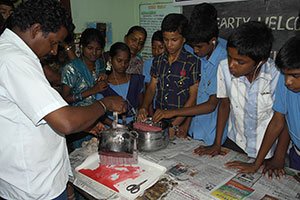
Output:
(153, 140)
(118, 139)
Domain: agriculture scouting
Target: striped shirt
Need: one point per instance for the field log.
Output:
(250, 105)
(174, 80)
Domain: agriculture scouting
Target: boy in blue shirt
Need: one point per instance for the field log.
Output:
(203, 37)
(286, 107)
(174, 74)
(158, 48)
(203, 13)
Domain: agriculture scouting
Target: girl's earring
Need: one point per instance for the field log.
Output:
(80, 50)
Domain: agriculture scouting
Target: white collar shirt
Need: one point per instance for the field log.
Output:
(34, 161)
(250, 105)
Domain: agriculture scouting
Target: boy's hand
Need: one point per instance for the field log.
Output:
(243, 167)
(100, 86)
(162, 114)
(102, 77)
(97, 128)
(172, 133)
(274, 167)
(142, 115)
(182, 131)
(212, 150)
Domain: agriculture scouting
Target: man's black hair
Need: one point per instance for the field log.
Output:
(202, 32)
(203, 12)
(2, 24)
(7, 3)
(48, 13)
(288, 56)
(157, 36)
(175, 22)
(92, 35)
(253, 39)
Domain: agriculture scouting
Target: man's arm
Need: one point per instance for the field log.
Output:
(68, 119)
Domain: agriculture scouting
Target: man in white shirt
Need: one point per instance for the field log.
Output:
(34, 118)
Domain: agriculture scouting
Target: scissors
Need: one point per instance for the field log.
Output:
(134, 188)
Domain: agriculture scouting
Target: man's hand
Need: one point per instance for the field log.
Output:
(162, 114)
(142, 114)
(273, 167)
(208, 150)
(115, 104)
(243, 167)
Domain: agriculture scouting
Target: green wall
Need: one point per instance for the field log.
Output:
(122, 14)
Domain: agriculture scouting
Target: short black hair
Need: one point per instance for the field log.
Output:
(7, 3)
(48, 13)
(203, 12)
(202, 31)
(138, 29)
(2, 21)
(157, 36)
(119, 46)
(175, 22)
(288, 56)
(92, 35)
(253, 39)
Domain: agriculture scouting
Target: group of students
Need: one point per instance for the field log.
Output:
(96, 74)
(221, 92)
(245, 100)
(225, 93)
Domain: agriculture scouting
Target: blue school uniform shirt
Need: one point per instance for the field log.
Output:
(122, 91)
(128, 91)
(174, 81)
(146, 69)
(203, 127)
(287, 103)
(222, 42)
(146, 73)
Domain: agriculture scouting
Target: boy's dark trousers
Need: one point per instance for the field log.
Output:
(233, 146)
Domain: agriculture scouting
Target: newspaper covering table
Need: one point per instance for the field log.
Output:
(191, 176)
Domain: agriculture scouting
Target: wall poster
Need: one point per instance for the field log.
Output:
(151, 16)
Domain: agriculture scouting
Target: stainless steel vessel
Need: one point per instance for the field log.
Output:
(117, 140)
(153, 140)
